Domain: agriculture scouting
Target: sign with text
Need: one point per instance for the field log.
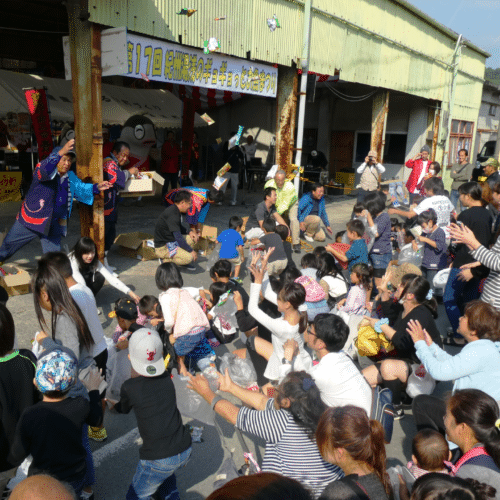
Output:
(168, 62)
(10, 184)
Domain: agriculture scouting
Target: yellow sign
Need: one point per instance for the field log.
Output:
(10, 184)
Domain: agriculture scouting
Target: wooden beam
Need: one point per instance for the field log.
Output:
(380, 110)
(85, 54)
(435, 134)
(286, 111)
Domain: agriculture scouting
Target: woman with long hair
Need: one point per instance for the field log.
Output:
(472, 422)
(476, 366)
(287, 424)
(394, 370)
(347, 438)
(68, 325)
(88, 269)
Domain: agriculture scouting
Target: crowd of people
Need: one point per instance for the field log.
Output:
(328, 339)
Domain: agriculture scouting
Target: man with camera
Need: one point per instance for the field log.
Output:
(370, 172)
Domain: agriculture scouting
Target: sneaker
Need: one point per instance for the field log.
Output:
(396, 204)
(399, 413)
(309, 238)
(189, 267)
(98, 434)
(297, 248)
(233, 203)
(87, 496)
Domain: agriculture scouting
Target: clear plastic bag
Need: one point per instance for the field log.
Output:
(189, 403)
(241, 371)
(409, 255)
(419, 382)
(213, 257)
(224, 314)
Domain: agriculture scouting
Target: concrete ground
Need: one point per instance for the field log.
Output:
(116, 458)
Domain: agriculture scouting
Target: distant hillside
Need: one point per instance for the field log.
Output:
(492, 75)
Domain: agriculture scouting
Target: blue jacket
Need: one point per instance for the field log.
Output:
(38, 206)
(114, 174)
(476, 366)
(306, 204)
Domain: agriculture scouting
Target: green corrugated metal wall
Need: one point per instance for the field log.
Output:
(335, 43)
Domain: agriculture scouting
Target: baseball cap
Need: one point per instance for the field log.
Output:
(425, 149)
(490, 162)
(57, 371)
(373, 153)
(146, 353)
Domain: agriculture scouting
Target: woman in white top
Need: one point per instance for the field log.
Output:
(89, 271)
(331, 279)
(290, 326)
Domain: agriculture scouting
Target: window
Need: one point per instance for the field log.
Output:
(460, 138)
(493, 110)
(394, 149)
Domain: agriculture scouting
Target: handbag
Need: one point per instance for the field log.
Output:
(369, 342)
(419, 382)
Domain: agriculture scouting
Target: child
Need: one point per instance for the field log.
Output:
(282, 232)
(278, 259)
(359, 293)
(166, 441)
(148, 306)
(434, 239)
(331, 280)
(118, 362)
(183, 317)
(17, 370)
(51, 431)
(309, 265)
(221, 271)
(339, 237)
(232, 245)
(358, 253)
(430, 453)
(434, 169)
(223, 324)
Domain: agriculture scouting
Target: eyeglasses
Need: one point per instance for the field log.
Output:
(310, 332)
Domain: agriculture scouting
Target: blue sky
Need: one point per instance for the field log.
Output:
(476, 20)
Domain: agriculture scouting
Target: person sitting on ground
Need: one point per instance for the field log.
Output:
(286, 204)
(261, 486)
(170, 244)
(287, 423)
(232, 245)
(472, 422)
(358, 252)
(359, 292)
(17, 370)
(348, 438)
(89, 271)
(339, 381)
(430, 453)
(278, 260)
(264, 210)
(331, 279)
(221, 271)
(51, 431)
(312, 211)
(309, 265)
(282, 232)
(394, 369)
(166, 440)
(476, 366)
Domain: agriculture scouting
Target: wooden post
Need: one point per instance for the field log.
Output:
(85, 50)
(435, 135)
(286, 110)
(379, 122)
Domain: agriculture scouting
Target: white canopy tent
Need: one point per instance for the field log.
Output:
(118, 103)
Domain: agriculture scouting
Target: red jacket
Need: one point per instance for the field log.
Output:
(416, 166)
(170, 157)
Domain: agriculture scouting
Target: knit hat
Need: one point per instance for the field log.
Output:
(125, 309)
(397, 272)
(314, 292)
(146, 353)
(425, 149)
(57, 371)
(492, 162)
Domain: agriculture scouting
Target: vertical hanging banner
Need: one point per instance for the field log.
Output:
(39, 111)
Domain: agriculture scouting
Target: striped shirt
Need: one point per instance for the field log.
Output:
(490, 259)
(289, 450)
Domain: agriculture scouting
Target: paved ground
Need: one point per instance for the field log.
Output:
(117, 457)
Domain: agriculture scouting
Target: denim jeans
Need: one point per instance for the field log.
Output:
(454, 198)
(429, 275)
(456, 294)
(157, 476)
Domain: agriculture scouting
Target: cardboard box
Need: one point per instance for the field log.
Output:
(209, 232)
(136, 245)
(148, 185)
(17, 281)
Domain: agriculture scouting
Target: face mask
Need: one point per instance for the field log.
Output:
(432, 172)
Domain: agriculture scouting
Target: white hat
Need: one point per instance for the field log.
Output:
(146, 353)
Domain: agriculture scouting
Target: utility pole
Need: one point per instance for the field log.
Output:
(304, 62)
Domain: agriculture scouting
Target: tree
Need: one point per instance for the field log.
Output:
(492, 75)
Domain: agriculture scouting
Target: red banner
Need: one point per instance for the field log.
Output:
(187, 135)
(39, 111)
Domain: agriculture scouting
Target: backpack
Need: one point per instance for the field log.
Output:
(383, 410)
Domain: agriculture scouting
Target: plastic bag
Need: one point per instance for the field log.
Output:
(409, 255)
(419, 382)
(224, 314)
(189, 403)
(213, 257)
(441, 278)
(241, 371)
(118, 370)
